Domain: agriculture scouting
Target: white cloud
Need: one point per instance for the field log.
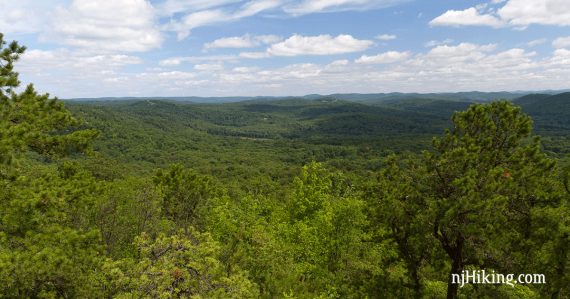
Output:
(299, 71)
(518, 14)
(468, 17)
(170, 61)
(209, 67)
(198, 13)
(543, 12)
(173, 61)
(536, 42)
(176, 75)
(96, 62)
(386, 37)
(201, 18)
(561, 42)
(336, 63)
(24, 16)
(268, 39)
(458, 67)
(461, 52)
(245, 41)
(108, 60)
(66, 58)
(298, 45)
(73, 72)
(254, 55)
(463, 66)
(433, 43)
(388, 57)
(318, 6)
(235, 42)
(561, 57)
(244, 70)
(119, 25)
(171, 7)
(197, 19)
(254, 7)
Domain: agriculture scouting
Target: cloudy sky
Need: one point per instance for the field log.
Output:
(95, 48)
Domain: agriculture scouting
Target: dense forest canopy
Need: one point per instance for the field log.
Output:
(295, 198)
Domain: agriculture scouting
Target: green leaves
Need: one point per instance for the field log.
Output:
(184, 193)
(8, 55)
(33, 122)
(178, 266)
(486, 179)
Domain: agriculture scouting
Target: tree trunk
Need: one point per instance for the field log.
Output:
(456, 255)
(456, 268)
(417, 284)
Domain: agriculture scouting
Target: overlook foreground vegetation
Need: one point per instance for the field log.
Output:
(292, 198)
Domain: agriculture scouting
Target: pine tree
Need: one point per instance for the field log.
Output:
(33, 122)
(45, 251)
(486, 176)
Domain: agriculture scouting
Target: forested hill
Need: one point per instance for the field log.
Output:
(283, 134)
(550, 112)
(226, 139)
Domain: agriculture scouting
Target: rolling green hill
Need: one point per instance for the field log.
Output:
(224, 139)
(551, 113)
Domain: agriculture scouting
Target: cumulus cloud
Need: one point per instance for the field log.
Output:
(209, 67)
(175, 75)
(388, 57)
(515, 13)
(174, 61)
(462, 49)
(462, 66)
(434, 43)
(245, 41)
(243, 69)
(298, 45)
(536, 42)
(268, 39)
(544, 12)
(561, 57)
(467, 17)
(254, 55)
(59, 70)
(451, 55)
(63, 57)
(561, 42)
(119, 25)
(231, 42)
(386, 37)
(336, 63)
(24, 16)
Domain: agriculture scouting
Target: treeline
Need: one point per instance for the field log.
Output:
(78, 224)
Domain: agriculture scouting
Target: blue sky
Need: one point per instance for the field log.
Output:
(96, 48)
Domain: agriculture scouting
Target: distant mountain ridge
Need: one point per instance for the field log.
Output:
(550, 112)
(371, 98)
